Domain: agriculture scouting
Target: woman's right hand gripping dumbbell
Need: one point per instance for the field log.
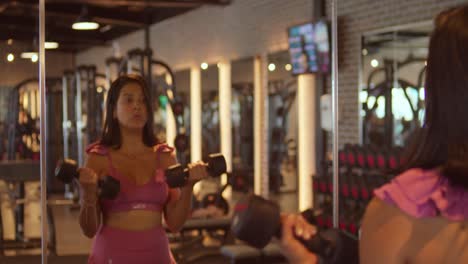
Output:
(88, 181)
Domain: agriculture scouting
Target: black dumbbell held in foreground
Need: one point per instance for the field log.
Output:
(176, 175)
(257, 220)
(67, 170)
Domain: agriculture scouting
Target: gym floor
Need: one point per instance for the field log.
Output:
(71, 246)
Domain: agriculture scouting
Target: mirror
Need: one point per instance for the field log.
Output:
(392, 80)
(20, 207)
(282, 111)
(242, 114)
(210, 109)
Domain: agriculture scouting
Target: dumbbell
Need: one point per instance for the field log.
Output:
(257, 220)
(176, 175)
(67, 170)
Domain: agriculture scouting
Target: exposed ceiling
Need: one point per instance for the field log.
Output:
(116, 18)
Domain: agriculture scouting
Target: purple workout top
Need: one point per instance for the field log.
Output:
(151, 196)
(425, 193)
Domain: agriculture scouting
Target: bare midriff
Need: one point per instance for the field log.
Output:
(134, 220)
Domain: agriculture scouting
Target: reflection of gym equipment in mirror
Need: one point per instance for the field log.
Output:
(242, 135)
(380, 131)
(282, 95)
(83, 93)
(392, 86)
(19, 188)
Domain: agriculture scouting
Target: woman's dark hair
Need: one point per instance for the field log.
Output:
(111, 135)
(442, 142)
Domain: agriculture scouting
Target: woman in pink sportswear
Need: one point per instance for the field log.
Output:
(129, 228)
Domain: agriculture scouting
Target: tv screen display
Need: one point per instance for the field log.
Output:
(309, 48)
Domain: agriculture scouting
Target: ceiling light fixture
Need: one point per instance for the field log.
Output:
(51, 45)
(28, 55)
(271, 67)
(34, 58)
(10, 57)
(84, 22)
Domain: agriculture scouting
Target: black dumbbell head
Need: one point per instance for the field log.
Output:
(175, 176)
(110, 187)
(247, 224)
(216, 164)
(66, 170)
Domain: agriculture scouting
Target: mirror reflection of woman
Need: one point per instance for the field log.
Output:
(129, 229)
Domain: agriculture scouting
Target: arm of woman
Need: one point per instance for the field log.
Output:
(90, 212)
(179, 206)
(385, 233)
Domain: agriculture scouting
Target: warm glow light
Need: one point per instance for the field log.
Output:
(10, 57)
(374, 63)
(85, 26)
(204, 66)
(28, 55)
(34, 58)
(271, 67)
(288, 67)
(50, 45)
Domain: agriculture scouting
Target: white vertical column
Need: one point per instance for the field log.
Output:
(195, 118)
(225, 124)
(170, 119)
(306, 138)
(261, 177)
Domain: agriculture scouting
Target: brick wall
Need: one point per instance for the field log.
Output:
(357, 17)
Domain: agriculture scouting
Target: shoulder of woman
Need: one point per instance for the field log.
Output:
(416, 192)
(96, 162)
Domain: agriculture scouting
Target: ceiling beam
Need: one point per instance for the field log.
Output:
(146, 3)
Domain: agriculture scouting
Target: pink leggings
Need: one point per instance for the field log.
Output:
(118, 246)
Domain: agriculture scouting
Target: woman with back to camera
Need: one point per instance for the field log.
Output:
(421, 216)
(129, 228)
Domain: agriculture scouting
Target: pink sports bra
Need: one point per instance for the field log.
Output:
(152, 196)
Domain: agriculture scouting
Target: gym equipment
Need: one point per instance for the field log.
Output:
(257, 220)
(215, 199)
(16, 173)
(67, 170)
(83, 95)
(282, 95)
(384, 134)
(176, 175)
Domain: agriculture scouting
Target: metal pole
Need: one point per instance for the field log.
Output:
(79, 118)
(335, 111)
(65, 122)
(43, 131)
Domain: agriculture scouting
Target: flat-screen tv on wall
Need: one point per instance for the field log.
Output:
(309, 47)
